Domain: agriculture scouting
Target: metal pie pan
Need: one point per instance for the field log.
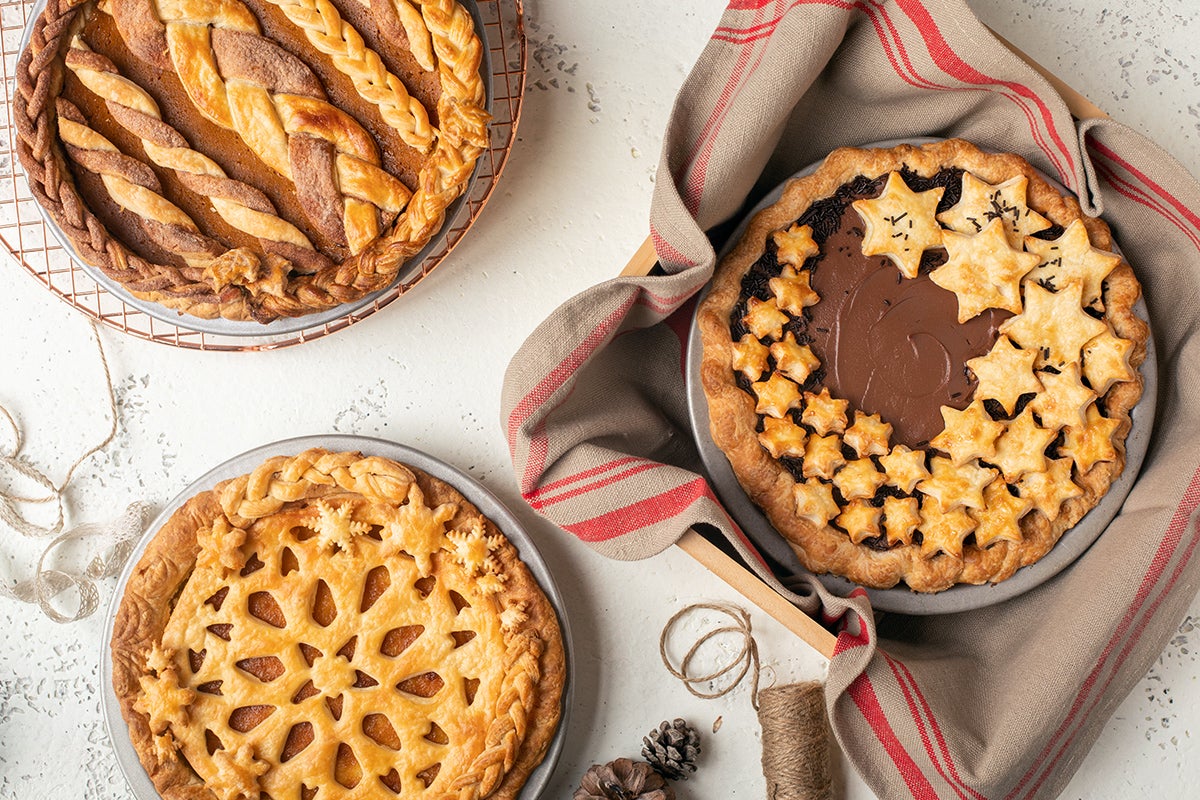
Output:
(901, 599)
(283, 325)
(487, 503)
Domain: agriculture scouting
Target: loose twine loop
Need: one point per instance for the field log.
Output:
(795, 732)
(110, 543)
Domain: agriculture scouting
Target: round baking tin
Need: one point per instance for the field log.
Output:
(487, 503)
(901, 599)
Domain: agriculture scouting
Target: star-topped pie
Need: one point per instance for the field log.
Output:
(376, 637)
(251, 159)
(920, 362)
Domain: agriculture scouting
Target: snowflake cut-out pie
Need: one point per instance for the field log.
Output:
(966, 354)
(331, 663)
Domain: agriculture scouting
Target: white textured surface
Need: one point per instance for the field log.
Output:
(570, 210)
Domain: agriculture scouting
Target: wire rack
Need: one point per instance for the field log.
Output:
(33, 244)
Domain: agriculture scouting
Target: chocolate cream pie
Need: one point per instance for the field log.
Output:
(920, 363)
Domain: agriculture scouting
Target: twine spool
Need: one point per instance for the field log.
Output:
(795, 739)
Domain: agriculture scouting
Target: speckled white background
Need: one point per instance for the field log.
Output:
(570, 210)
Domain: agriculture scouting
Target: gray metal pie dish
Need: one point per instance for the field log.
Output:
(901, 599)
(488, 504)
(283, 325)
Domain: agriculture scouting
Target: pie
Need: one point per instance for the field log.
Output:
(333, 625)
(921, 362)
(250, 159)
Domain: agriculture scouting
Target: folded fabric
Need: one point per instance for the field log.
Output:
(1001, 702)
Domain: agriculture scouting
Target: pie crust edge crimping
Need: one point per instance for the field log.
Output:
(161, 574)
(732, 411)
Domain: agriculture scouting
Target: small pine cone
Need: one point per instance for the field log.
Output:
(672, 749)
(623, 779)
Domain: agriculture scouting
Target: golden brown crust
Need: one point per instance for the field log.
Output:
(734, 422)
(494, 761)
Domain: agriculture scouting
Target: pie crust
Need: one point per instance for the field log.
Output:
(250, 159)
(1016, 464)
(335, 625)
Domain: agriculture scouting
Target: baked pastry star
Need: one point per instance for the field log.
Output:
(954, 485)
(814, 502)
(860, 520)
(795, 246)
(983, 271)
(776, 396)
(1088, 445)
(1071, 257)
(792, 290)
(901, 516)
(1021, 448)
(1106, 361)
(943, 529)
(794, 360)
(980, 203)
(1005, 373)
(900, 224)
(868, 435)
(1050, 489)
(1053, 322)
(782, 437)
(824, 413)
(1064, 399)
(764, 319)
(1000, 518)
(969, 434)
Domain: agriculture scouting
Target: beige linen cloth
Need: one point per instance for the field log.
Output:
(1001, 702)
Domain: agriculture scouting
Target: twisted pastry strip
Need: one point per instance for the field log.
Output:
(242, 206)
(405, 16)
(330, 34)
(461, 111)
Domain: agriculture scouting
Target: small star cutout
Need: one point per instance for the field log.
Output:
(764, 319)
(858, 479)
(969, 434)
(1071, 257)
(822, 457)
(796, 361)
(1021, 448)
(814, 502)
(750, 357)
(1106, 361)
(1000, 519)
(983, 271)
(1053, 322)
(981, 203)
(868, 435)
(782, 437)
(904, 468)
(1088, 445)
(795, 245)
(1050, 489)
(1064, 399)
(1005, 373)
(901, 516)
(823, 413)
(792, 290)
(860, 519)
(900, 224)
(956, 485)
(334, 526)
(943, 529)
(776, 396)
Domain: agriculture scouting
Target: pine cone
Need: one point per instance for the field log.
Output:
(672, 749)
(623, 779)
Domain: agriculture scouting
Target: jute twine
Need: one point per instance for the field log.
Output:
(795, 731)
(107, 544)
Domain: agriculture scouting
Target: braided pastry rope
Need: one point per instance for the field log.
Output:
(461, 112)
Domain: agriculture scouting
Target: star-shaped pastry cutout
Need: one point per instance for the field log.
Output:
(1088, 445)
(1021, 448)
(750, 357)
(794, 360)
(237, 774)
(221, 546)
(981, 203)
(983, 271)
(1000, 519)
(1053, 322)
(1050, 489)
(956, 485)
(814, 502)
(472, 548)
(335, 527)
(332, 674)
(968, 434)
(776, 396)
(868, 435)
(1106, 361)
(795, 245)
(764, 319)
(904, 468)
(858, 479)
(900, 224)
(822, 456)
(1063, 400)
(943, 529)
(823, 413)
(164, 700)
(782, 437)
(901, 516)
(859, 519)
(792, 290)
(1005, 373)
(1071, 257)
(418, 530)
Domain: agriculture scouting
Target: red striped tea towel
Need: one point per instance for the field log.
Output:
(997, 703)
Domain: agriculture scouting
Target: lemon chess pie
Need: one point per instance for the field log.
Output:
(250, 159)
(921, 362)
(336, 626)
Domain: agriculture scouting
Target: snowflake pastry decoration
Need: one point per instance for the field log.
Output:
(335, 527)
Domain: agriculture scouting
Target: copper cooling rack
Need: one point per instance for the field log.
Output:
(25, 234)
